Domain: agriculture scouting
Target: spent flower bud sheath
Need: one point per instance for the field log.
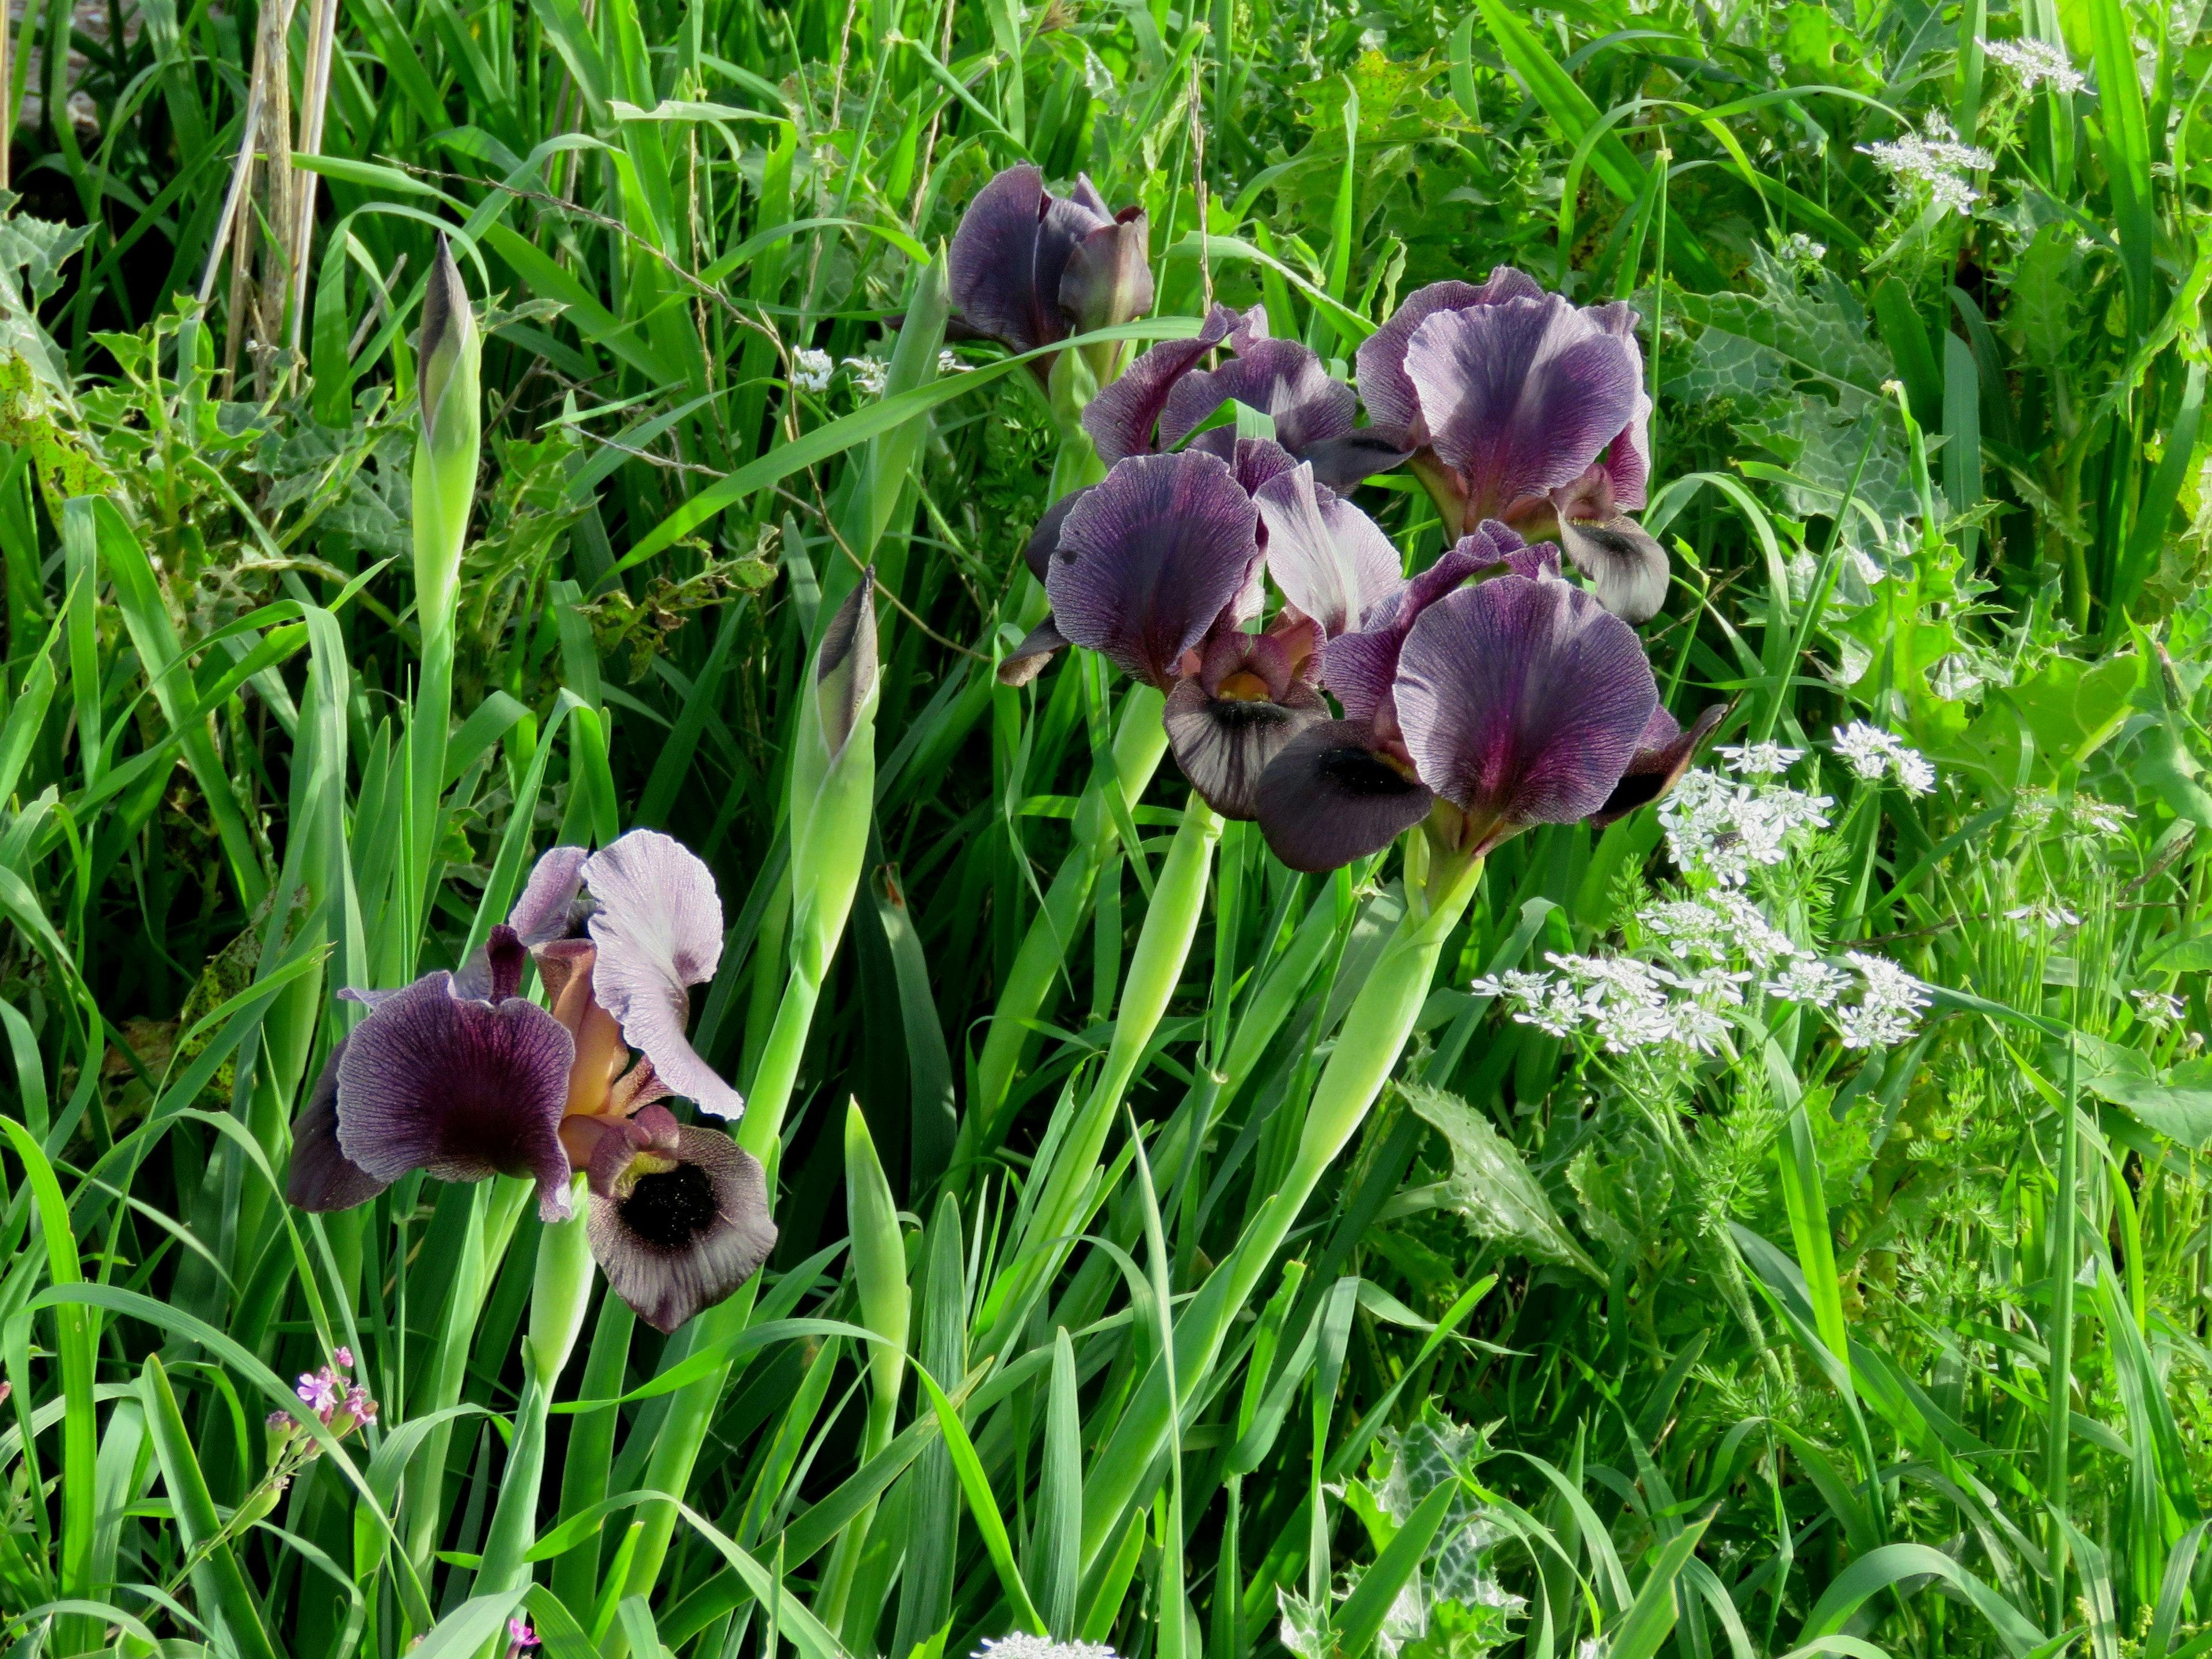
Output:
(447, 354)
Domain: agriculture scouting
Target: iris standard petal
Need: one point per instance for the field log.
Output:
(1223, 744)
(1522, 703)
(1150, 558)
(684, 1225)
(1107, 275)
(1331, 560)
(658, 929)
(1008, 256)
(1392, 403)
(1329, 798)
(1519, 397)
(1627, 459)
(547, 909)
(1121, 418)
(1663, 753)
(1280, 378)
(494, 973)
(1359, 667)
(322, 1178)
(463, 1088)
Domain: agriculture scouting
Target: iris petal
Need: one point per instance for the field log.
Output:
(1006, 239)
(1330, 559)
(1663, 753)
(1360, 666)
(1392, 403)
(1280, 379)
(658, 929)
(322, 1178)
(1028, 659)
(1328, 798)
(1626, 566)
(1224, 744)
(546, 909)
(674, 1240)
(1150, 558)
(466, 1090)
(1520, 397)
(1522, 703)
(1108, 276)
(1121, 418)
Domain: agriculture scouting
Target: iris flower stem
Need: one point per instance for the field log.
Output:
(1155, 968)
(559, 1294)
(1376, 1027)
(1139, 747)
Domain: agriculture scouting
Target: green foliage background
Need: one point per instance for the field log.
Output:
(1800, 1352)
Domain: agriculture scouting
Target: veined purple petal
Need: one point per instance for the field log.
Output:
(1357, 456)
(658, 929)
(1150, 558)
(547, 909)
(1249, 697)
(1663, 753)
(1392, 404)
(1121, 418)
(466, 1090)
(1329, 798)
(1520, 397)
(1280, 379)
(1330, 559)
(1522, 703)
(1009, 255)
(1108, 276)
(1628, 459)
(494, 973)
(322, 1178)
(1359, 667)
(1037, 552)
(683, 1223)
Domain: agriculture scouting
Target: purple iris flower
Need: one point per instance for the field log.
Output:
(1481, 710)
(460, 1076)
(1518, 406)
(1163, 396)
(1029, 268)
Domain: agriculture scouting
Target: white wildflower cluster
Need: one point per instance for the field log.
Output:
(1023, 1645)
(1725, 829)
(1760, 760)
(1799, 252)
(1935, 159)
(2036, 809)
(1873, 753)
(2036, 62)
(2046, 914)
(810, 369)
(949, 364)
(2159, 1007)
(870, 375)
(1715, 947)
(1889, 1011)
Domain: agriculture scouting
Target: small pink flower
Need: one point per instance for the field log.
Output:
(345, 1359)
(319, 1389)
(359, 1406)
(520, 1633)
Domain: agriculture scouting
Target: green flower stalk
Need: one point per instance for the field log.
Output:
(1377, 1027)
(879, 1274)
(832, 800)
(560, 1294)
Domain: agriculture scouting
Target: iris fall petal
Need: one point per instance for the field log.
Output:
(1329, 798)
(684, 1224)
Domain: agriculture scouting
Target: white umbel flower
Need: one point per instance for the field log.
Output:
(870, 374)
(1760, 760)
(1872, 753)
(2038, 62)
(1935, 160)
(1023, 1645)
(810, 369)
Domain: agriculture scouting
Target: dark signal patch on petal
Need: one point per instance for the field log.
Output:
(1329, 798)
(1224, 743)
(683, 1225)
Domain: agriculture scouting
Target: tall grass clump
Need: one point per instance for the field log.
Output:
(911, 829)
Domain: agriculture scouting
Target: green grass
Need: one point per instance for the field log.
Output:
(1789, 1348)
